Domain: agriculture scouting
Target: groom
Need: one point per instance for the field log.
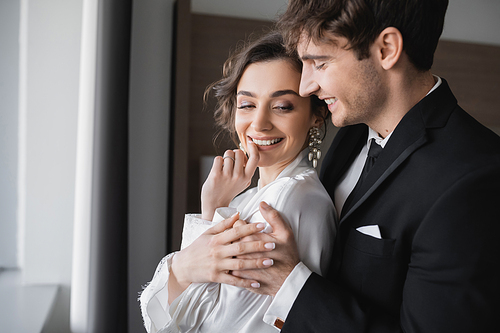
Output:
(417, 247)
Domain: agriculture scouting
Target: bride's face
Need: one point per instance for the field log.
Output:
(271, 112)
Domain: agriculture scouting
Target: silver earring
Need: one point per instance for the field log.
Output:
(314, 142)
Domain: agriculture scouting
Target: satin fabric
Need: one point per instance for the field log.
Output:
(210, 307)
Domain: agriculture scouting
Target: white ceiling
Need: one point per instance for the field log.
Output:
(476, 21)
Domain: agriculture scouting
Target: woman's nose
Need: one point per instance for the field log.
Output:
(308, 86)
(261, 121)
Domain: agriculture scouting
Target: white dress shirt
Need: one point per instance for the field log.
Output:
(300, 197)
(350, 178)
(301, 273)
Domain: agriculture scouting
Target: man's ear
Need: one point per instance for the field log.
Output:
(388, 47)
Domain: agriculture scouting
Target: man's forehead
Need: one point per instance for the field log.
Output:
(308, 47)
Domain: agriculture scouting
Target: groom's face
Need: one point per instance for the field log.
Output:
(352, 88)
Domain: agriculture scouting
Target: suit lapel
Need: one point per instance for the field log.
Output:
(344, 149)
(408, 136)
(391, 157)
(411, 133)
(431, 112)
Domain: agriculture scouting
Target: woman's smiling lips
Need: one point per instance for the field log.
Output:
(266, 143)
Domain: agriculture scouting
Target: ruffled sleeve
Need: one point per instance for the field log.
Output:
(187, 312)
(154, 298)
(194, 226)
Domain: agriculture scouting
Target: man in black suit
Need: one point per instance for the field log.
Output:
(417, 247)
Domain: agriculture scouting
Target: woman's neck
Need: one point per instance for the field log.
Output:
(270, 173)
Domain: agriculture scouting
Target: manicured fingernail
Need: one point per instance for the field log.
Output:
(234, 214)
(268, 262)
(271, 246)
(255, 285)
(261, 226)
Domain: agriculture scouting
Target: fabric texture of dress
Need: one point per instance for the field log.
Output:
(211, 307)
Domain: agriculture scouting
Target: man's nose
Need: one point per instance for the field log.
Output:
(308, 86)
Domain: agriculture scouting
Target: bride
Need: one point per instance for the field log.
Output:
(259, 104)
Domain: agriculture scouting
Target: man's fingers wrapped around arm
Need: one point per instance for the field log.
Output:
(238, 264)
(227, 278)
(223, 272)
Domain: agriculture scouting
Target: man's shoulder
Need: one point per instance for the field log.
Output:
(471, 133)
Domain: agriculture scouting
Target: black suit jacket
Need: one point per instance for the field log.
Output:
(434, 192)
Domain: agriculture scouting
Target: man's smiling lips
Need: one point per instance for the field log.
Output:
(331, 102)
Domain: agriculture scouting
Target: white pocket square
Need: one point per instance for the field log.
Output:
(370, 230)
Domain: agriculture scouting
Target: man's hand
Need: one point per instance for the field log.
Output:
(213, 255)
(285, 255)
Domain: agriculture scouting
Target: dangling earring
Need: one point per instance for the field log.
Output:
(314, 142)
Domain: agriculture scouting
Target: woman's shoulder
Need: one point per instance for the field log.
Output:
(298, 193)
(304, 189)
(307, 180)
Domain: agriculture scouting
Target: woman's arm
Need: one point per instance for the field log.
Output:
(211, 256)
(229, 176)
(208, 259)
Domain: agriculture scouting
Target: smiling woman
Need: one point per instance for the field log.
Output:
(273, 115)
(259, 103)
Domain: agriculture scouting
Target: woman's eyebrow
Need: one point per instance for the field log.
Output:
(244, 93)
(284, 92)
(277, 93)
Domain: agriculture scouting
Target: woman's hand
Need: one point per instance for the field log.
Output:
(229, 176)
(213, 255)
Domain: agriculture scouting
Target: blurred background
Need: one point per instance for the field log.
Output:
(103, 133)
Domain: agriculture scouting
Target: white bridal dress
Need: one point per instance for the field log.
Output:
(211, 307)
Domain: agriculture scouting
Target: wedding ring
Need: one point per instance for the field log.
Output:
(229, 157)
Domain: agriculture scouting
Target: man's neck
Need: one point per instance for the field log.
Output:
(405, 91)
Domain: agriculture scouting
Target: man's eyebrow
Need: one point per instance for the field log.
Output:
(284, 92)
(314, 57)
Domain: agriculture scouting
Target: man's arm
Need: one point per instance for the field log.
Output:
(451, 283)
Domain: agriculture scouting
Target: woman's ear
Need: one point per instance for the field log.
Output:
(388, 47)
(317, 121)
